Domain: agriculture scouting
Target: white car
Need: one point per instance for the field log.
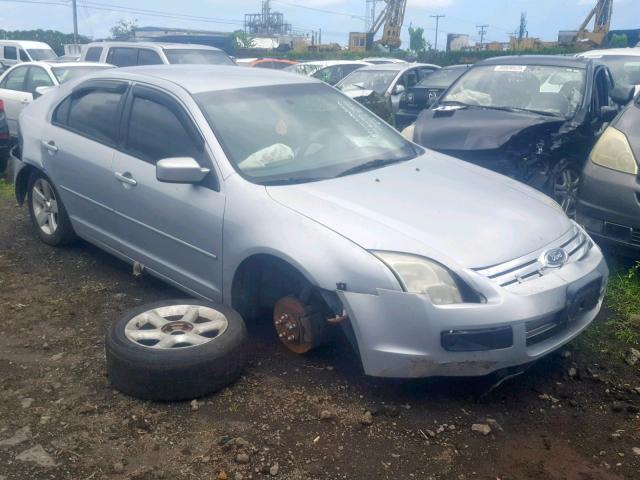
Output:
(624, 64)
(309, 68)
(23, 83)
(13, 52)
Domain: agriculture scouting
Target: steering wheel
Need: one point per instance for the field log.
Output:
(311, 140)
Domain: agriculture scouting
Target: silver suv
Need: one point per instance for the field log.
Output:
(270, 191)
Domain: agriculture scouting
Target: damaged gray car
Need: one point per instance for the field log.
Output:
(533, 118)
(208, 178)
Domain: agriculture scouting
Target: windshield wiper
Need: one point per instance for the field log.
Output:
(373, 164)
(291, 181)
(447, 103)
(517, 109)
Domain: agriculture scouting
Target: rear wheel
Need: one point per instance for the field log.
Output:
(48, 215)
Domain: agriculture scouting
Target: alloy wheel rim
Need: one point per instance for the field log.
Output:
(566, 190)
(176, 327)
(45, 206)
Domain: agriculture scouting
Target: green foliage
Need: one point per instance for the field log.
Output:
(417, 43)
(124, 29)
(623, 298)
(618, 41)
(6, 189)
(242, 39)
(53, 38)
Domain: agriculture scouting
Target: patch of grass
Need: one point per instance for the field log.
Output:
(6, 189)
(623, 298)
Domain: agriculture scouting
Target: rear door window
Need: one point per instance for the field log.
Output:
(15, 80)
(94, 113)
(10, 53)
(148, 57)
(159, 129)
(123, 56)
(93, 54)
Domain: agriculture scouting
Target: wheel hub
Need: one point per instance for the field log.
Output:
(298, 326)
(177, 327)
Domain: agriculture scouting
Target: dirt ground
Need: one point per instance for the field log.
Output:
(573, 415)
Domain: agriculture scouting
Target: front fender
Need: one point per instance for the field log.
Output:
(324, 257)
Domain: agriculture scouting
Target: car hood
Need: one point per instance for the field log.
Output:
(358, 93)
(478, 128)
(435, 206)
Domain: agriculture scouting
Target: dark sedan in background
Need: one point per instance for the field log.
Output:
(533, 118)
(609, 200)
(425, 93)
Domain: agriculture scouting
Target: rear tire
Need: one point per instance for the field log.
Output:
(48, 214)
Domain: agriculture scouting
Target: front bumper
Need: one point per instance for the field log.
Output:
(609, 206)
(399, 334)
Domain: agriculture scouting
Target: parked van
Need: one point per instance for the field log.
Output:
(13, 52)
(129, 54)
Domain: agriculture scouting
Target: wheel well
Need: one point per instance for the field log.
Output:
(22, 182)
(261, 280)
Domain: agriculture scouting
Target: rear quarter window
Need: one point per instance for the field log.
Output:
(123, 56)
(93, 54)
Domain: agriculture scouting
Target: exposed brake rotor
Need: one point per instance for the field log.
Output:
(300, 327)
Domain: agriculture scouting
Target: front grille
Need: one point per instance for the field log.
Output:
(529, 267)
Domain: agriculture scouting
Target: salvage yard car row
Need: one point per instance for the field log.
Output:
(268, 191)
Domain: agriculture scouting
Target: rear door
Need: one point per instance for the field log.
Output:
(13, 92)
(173, 229)
(78, 149)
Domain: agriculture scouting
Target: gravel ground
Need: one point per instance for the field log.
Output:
(573, 415)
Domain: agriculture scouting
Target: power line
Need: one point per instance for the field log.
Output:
(322, 10)
(437, 17)
(482, 32)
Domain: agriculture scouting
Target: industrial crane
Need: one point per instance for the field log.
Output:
(602, 21)
(392, 16)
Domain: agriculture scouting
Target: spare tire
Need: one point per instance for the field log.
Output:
(175, 350)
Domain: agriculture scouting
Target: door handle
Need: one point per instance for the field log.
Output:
(125, 178)
(50, 145)
(25, 101)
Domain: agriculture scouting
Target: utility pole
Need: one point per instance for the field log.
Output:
(482, 32)
(437, 17)
(75, 21)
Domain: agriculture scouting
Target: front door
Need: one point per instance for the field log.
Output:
(15, 96)
(175, 230)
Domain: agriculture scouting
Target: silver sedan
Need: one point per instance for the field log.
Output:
(275, 193)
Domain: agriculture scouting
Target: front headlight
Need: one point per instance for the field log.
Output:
(612, 150)
(421, 275)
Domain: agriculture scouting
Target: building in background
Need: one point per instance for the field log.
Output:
(222, 40)
(457, 42)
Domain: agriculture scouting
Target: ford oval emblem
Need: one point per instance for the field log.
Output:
(554, 258)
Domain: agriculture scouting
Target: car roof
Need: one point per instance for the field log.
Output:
(26, 43)
(68, 64)
(397, 67)
(550, 60)
(169, 46)
(206, 78)
(630, 52)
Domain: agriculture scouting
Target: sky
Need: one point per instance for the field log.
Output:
(336, 18)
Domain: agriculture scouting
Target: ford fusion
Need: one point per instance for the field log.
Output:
(278, 195)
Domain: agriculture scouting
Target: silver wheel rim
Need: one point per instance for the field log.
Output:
(566, 190)
(176, 327)
(45, 206)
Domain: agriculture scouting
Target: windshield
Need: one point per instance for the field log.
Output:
(376, 80)
(40, 54)
(625, 69)
(64, 74)
(304, 68)
(551, 90)
(442, 78)
(197, 57)
(298, 133)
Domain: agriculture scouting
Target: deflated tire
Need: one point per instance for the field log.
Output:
(175, 350)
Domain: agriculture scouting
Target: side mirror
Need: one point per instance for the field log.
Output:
(180, 170)
(41, 91)
(398, 89)
(608, 113)
(622, 94)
